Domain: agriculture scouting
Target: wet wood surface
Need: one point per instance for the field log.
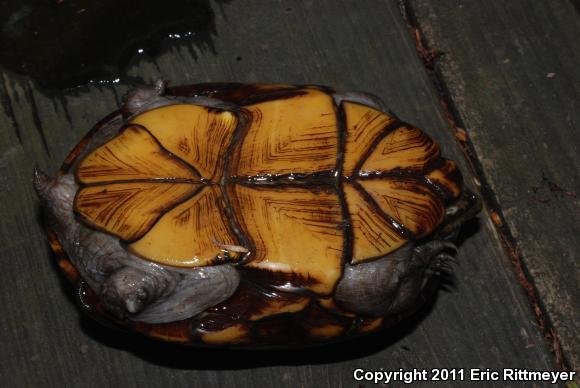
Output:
(512, 70)
(482, 319)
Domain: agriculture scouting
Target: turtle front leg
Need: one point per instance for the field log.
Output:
(143, 98)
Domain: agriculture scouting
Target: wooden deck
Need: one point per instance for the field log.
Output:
(503, 100)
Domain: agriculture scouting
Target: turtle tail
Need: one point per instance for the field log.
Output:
(43, 184)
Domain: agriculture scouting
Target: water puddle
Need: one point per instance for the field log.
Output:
(67, 43)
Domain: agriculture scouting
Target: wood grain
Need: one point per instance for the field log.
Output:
(512, 70)
(483, 319)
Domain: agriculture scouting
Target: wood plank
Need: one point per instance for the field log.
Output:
(483, 321)
(512, 70)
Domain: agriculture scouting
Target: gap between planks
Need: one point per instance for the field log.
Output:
(429, 57)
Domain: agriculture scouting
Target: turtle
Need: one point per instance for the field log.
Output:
(254, 215)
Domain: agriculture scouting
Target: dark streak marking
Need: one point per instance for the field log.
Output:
(321, 178)
(328, 188)
(394, 173)
(185, 163)
(388, 129)
(322, 88)
(237, 93)
(88, 222)
(116, 95)
(348, 235)
(183, 146)
(275, 95)
(170, 155)
(54, 107)
(9, 110)
(252, 299)
(443, 193)
(311, 186)
(441, 189)
(434, 165)
(150, 180)
(36, 117)
(399, 228)
(420, 176)
(244, 121)
(63, 102)
(278, 279)
(161, 214)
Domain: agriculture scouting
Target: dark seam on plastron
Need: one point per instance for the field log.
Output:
(244, 121)
(273, 95)
(418, 176)
(149, 180)
(347, 249)
(169, 153)
(396, 124)
(397, 227)
(87, 221)
(316, 179)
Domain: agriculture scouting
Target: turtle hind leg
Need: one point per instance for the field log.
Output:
(396, 283)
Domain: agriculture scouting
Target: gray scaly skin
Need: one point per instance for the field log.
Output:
(128, 286)
(392, 284)
(133, 288)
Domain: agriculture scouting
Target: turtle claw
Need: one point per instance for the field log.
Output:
(430, 252)
(449, 245)
(442, 259)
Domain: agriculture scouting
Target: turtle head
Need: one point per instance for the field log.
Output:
(132, 289)
(126, 292)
